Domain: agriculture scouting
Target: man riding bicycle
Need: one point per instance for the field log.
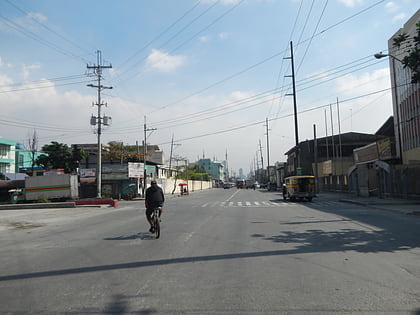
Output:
(154, 198)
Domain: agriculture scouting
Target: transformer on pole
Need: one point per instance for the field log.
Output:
(98, 120)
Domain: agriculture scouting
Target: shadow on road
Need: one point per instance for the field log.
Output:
(141, 236)
(373, 232)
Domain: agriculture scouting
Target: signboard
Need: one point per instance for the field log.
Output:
(115, 172)
(385, 149)
(135, 170)
(57, 171)
(87, 172)
(366, 154)
(327, 167)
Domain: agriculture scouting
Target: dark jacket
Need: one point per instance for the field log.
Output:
(154, 197)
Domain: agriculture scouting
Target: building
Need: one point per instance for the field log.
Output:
(405, 98)
(7, 156)
(327, 158)
(215, 169)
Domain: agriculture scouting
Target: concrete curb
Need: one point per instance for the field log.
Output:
(49, 205)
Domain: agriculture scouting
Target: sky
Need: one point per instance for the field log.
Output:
(212, 77)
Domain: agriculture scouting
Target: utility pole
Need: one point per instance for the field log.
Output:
(339, 139)
(262, 161)
(326, 133)
(294, 105)
(227, 168)
(170, 157)
(333, 151)
(316, 159)
(144, 154)
(268, 149)
(97, 70)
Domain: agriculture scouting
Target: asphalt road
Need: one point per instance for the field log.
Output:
(222, 251)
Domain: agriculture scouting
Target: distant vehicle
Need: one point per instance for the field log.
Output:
(240, 183)
(272, 186)
(227, 185)
(299, 187)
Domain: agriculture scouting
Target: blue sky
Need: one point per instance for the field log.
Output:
(207, 72)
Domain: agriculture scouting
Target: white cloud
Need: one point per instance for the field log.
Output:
(30, 20)
(204, 39)
(391, 6)
(4, 82)
(26, 69)
(351, 3)
(224, 35)
(240, 95)
(224, 2)
(399, 17)
(364, 83)
(37, 16)
(164, 62)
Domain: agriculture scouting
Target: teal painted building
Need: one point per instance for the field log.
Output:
(15, 159)
(7, 156)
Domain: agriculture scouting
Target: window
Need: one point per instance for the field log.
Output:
(4, 150)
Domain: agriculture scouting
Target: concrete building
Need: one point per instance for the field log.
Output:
(405, 98)
(328, 158)
(215, 169)
(7, 156)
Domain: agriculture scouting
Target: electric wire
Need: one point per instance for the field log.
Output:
(260, 62)
(276, 118)
(312, 37)
(43, 87)
(37, 38)
(195, 34)
(51, 30)
(43, 81)
(159, 36)
(227, 107)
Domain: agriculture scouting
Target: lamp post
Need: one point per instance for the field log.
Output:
(397, 107)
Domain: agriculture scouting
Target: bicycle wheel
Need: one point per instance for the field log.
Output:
(157, 226)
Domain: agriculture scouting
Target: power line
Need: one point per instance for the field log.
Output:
(156, 38)
(50, 30)
(43, 87)
(37, 38)
(262, 61)
(42, 81)
(227, 108)
(200, 31)
(313, 34)
(276, 118)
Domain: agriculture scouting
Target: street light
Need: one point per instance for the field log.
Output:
(379, 56)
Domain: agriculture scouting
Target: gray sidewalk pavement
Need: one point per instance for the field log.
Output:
(405, 206)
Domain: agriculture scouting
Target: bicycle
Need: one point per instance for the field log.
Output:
(156, 221)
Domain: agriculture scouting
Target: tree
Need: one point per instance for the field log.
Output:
(60, 156)
(411, 46)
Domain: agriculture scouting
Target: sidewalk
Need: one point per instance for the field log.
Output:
(405, 206)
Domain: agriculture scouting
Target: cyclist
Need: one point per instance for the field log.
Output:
(154, 198)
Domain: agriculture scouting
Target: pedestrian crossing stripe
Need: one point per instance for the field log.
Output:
(247, 204)
(255, 204)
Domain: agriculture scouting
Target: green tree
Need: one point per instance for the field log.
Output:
(59, 155)
(411, 46)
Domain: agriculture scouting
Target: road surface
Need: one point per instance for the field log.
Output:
(221, 251)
